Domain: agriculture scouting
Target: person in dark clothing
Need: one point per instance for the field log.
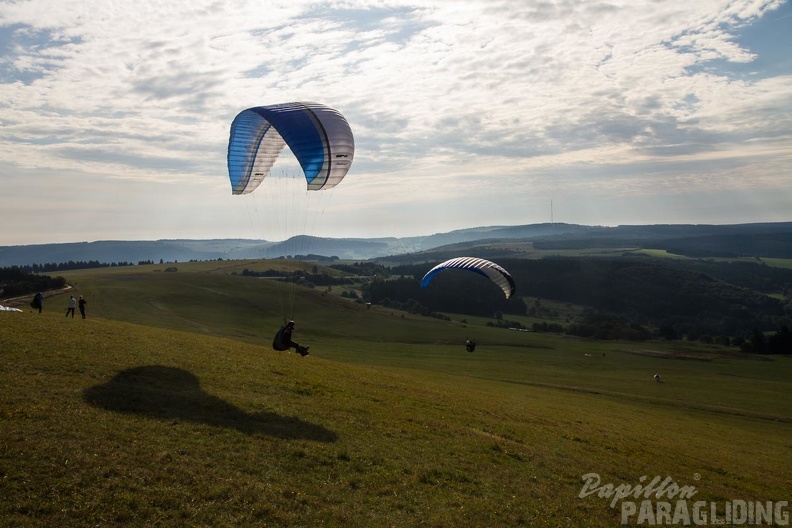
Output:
(470, 346)
(283, 340)
(81, 303)
(38, 302)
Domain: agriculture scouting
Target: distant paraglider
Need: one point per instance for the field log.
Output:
(488, 269)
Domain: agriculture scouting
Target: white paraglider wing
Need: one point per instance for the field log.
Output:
(488, 269)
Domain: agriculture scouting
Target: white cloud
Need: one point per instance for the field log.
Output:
(451, 103)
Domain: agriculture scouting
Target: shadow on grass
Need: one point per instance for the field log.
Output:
(174, 394)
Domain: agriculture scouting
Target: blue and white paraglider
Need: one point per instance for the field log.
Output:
(278, 156)
(483, 267)
(318, 135)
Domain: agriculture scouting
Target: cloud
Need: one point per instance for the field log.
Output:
(450, 102)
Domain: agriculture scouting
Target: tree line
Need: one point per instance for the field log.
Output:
(16, 282)
(71, 265)
(690, 297)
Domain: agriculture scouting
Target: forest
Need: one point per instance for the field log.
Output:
(15, 282)
(624, 297)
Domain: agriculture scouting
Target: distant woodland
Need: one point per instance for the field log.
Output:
(626, 297)
(16, 282)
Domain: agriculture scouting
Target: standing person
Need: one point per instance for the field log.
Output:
(71, 307)
(38, 302)
(283, 340)
(82, 304)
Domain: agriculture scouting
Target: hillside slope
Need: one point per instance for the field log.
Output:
(116, 424)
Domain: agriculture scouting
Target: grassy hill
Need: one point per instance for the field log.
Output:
(167, 407)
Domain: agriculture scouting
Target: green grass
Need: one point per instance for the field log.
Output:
(777, 262)
(167, 407)
(659, 253)
(769, 261)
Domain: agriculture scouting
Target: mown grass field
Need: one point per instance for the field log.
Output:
(167, 407)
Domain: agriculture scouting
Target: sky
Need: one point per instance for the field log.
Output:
(115, 115)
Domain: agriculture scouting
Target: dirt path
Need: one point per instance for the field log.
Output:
(25, 300)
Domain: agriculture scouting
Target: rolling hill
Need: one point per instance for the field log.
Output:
(766, 240)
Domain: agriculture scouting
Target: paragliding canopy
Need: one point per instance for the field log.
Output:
(488, 269)
(318, 136)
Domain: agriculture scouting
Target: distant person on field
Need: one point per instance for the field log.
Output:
(72, 305)
(38, 302)
(81, 303)
(283, 340)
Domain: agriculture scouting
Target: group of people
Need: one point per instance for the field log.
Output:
(282, 341)
(73, 304)
(38, 304)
